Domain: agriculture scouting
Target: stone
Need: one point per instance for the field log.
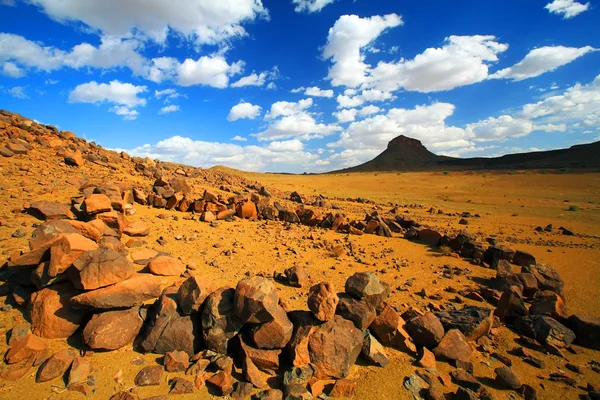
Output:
(426, 330)
(112, 330)
(51, 313)
(358, 311)
(304, 326)
(55, 366)
(131, 292)
(253, 375)
(426, 359)
(511, 305)
(334, 348)
(81, 369)
(65, 250)
(114, 220)
(48, 231)
(265, 360)
(552, 306)
(323, 301)
(166, 266)
(222, 382)
(473, 322)
(503, 270)
(137, 229)
(96, 203)
(29, 347)
(523, 258)
(506, 378)
(545, 330)
(388, 328)
(454, 346)
(219, 324)
(297, 392)
(495, 253)
(296, 276)
(100, 268)
(243, 391)
(466, 380)
(373, 351)
(149, 376)
(192, 294)
(256, 300)
(269, 394)
(366, 285)
(547, 277)
(587, 330)
(181, 386)
(74, 160)
(176, 361)
(47, 210)
(429, 237)
(274, 334)
(299, 375)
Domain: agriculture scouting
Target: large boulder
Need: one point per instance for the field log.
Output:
(219, 324)
(274, 334)
(323, 301)
(99, 268)
(55, 366)
(425, 330)
(192, 293)
(547, 277)
(48, 210)
(48, 231)
(96, 203)
(65, 250)
(495, 253)
(358, 311)
(51, 314)
(545, 330)
(367, 286)
(587, 330)
(473, 322)
(112, 330)
(511, 305)
(166, 266)
(388, 328)
(256, 300)
(454, 346)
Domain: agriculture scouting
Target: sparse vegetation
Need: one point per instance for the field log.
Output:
(446, 172)
(511, 172)
(446, 250)
(564, 170)
(573, 208)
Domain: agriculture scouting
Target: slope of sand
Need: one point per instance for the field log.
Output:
(510, 207)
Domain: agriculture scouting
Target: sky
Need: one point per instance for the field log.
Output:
(305, 85)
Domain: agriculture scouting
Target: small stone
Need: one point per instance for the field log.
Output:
(454, 346)
(507, 378)
(149, 376)
(55, 366)
(166, 266)
(176, 361)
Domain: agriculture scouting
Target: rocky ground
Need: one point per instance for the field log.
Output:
(129, 278)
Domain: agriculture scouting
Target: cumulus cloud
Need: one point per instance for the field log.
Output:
(346, 41)
(284, 108)
(300, 125)
(502, 127)
(314, 92)
(125, 112)
(310, 6)
(346, 115)
(568, 8)
(542, 60)
(207, 70)
(370, 109)
(352, 98)
(167, 94)
(239, 138)
(243, 110)
(169, 109)
(124, 96)
(18, 92)
(204, 22)
(257, 79)
(12, 70)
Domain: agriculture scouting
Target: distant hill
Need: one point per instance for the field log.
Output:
(407, 154)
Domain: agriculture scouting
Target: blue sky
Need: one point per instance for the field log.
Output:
(304, 85)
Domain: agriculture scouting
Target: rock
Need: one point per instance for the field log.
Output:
(454, 346)
(65, 250)
(506, 377)
(466, 380)
(247, 210)
(429, 237)
(357, 311)
(222, 382)
(503, 270)
(426, 358)
(74, 160)
(100, 268)
(334, 348)
(274, 334)
(176, 361)
(112, 330)
(256, 300)
(296, 276)
(265, 360)
(48, 231)
(253, 374)
(18, 331)
(166, 266)
(465, 394)
(219, 324)
(304, 326)
(426, 330)
(495, 253)
(388, 328)
(587, 330)
(414, 384)
(81, 369)
(29, 347)
(47, 210)
(181, 386)
(343, 388)
(137, 229)
(547, 277)
(114, 220)
(511, 305)
(545, 330)
(552, 306)
(179, 184)
(96, 203)
(149, 376)
(270, 394)
(523, 259)
(242, 391)
(55, 366)
(367, 286)
(299, 375)
(323, 301)
(473, 322)
(192, 293)
(373, 351)
(132, 292)
(51, 314)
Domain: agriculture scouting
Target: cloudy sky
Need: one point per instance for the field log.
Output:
(305, 85)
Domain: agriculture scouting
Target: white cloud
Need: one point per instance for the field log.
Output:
(348, 37)
(18, 92)
(243, 110)
(293, 145)
(346, 115)
(314, 92)
(370, 109)
(207, 70)
(568, 8)
(204, 22)
(168, 94)
(462, 60)
(50, 82)
(169, 109)
(12, 70)
(300, 126)
(502, 127)
(257, 79)
(239, 138)
(310, 6)
(124, 96)
(124, 111)
(351, 98)
(284, 108)
(551, 128)
(542, 60)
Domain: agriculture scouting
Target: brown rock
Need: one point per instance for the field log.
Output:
(269, 394)
(548, 278)
(454, 346)
(219, 324)
(166, 266)
(511, 305)
(343, 388)
(192, 293)
(523, 259)
(274, 334)
(74, 160)
(137, 229)
(176, 361)
(55, 366)
(48, 231)
(473, 322)
(149, 376)
(99, 268)
(426, 359)
(358, 311)
(81, 369)
(50, 211)
(256, 300)
(426, 330)
(253, 375)
(246, 209)
(429, 237)
(25, 348)
(222, 383)
(51, 314)
(296, 276)
(373, 351)
(367, 286)
(323, 301)
(334, 348)
(388, 327)
(65, 250)
(114, 220)
(96, 203)
(587, 330)
(506, 377)
(112, 330)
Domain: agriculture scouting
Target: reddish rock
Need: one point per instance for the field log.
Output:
(192, 293)
(246, 210)
(495, 253)
(96, 203)
(137, 229)
(48, 231)
(265, 360)
(51, 314)
(74, 160)
(343, 388)
(357, 311)
(296, 276)
(149, 376)
(132, 292)
(454, 346)
(426, 330)
(323, 301)
(47, 210)
(219, 324)
(587, 330)
(429, 237)
(222, 382)
(511, 305)
(256, 300)
(367, 286)
(55, 366)
(112, 330)
(547, 277)
(473, 322)
(29, 347)
(114, 220)
(253, 375)
(65, 250)
(388, 327)
(334, 348)
(166, 266)
(81, 369)
(373, 351)
(99, 268)
(545, 330)
(426, 359)
(506, 378)
(269, 394)
(176, 361)
(552, 306)
(522, 258)
(298, 345)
